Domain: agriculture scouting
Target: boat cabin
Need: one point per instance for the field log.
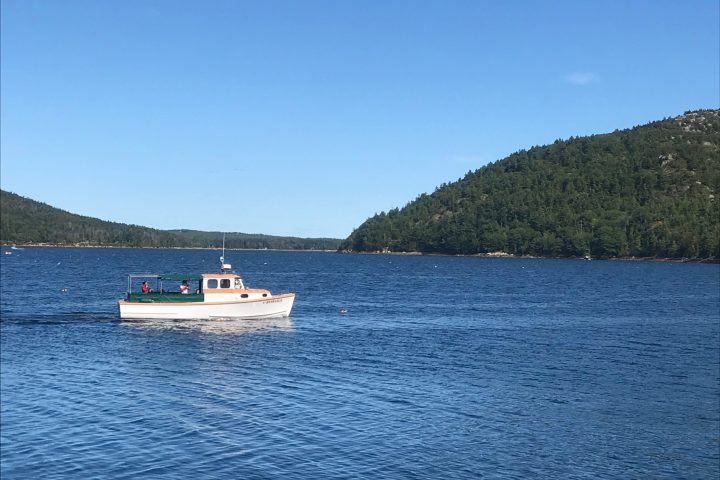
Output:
(221, 281)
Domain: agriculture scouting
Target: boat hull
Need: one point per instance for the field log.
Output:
(276, 306)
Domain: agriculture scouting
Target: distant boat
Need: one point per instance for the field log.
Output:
(7, 252)
(217, 295)
(16, 248)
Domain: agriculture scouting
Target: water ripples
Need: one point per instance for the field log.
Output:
(495, 382)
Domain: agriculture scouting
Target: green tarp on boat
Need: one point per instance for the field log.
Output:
(179, 277)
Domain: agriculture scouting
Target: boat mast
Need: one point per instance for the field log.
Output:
(224, 267)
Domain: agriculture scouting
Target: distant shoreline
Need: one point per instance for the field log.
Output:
(512, 256)
(400, 254)
(52, 245)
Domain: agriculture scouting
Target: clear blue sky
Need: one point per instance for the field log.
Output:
(307, 117)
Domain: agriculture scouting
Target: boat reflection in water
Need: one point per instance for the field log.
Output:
(221, 326)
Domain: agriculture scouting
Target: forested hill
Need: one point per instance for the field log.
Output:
(24, 221)
(648, 191)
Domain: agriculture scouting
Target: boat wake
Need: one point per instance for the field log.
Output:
(57, 318)
(222, 326)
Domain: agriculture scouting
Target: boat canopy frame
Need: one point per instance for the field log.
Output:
(173, 277)
(180, 277)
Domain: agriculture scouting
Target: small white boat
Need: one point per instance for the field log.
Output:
(201, 297)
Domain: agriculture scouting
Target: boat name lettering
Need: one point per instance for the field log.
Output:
(273, 301)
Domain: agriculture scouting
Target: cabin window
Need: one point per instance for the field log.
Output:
(225, 283)
(244, 295)
(212, 283)
(237, 283)
(264, 294)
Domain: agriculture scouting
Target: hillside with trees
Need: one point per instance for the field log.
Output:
(648, 191)
(26, 222)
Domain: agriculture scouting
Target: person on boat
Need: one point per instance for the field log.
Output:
(184, 287)
(146, 288)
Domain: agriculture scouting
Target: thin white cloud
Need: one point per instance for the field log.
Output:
(581, 78)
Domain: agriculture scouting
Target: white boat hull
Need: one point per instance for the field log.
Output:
(277, 306)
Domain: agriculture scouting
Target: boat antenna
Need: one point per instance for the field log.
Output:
(224, 267)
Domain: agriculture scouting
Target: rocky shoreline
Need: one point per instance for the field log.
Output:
(513, 256)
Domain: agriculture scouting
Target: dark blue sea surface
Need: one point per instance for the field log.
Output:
(442, 367)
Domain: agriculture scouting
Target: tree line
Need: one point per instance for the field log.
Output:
(24, 221)
(648, 191)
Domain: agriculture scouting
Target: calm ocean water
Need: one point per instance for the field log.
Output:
(443, 367)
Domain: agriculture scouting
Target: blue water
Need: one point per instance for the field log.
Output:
(443, 367)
